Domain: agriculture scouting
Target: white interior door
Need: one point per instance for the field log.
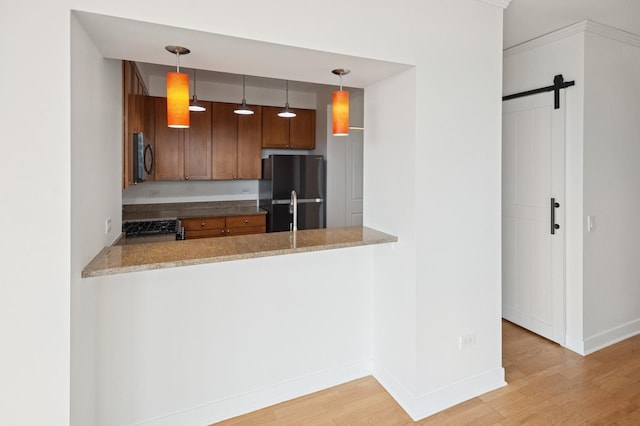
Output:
(533, 163)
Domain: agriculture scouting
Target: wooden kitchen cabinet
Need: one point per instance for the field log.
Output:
(298, 132)
(169, 164)
(197, 145)
(236, 142)
(182, 154)
(249, 224)
(134, 116)
(302, 129)
(206, 227)
(150, 134)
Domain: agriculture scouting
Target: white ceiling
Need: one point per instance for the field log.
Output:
(119, 38)
(527, 19)
(227, 57)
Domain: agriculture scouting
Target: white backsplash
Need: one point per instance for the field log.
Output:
(193, 191)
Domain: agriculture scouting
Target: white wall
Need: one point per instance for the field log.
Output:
(36, 206)
(534, 65)
(611, 187)
(444, 191)
(36, 290)
(195, 345)
(96, 135)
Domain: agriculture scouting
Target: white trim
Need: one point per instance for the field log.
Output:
(227, 408)
(500, 3)
(611, 336)
(579, 27)
(575, 345)
(421, 406)
(547, 38)
(613, 33)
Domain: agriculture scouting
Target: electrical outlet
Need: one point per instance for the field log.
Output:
(154, 193)
(245, 190)
(107, 225)
(467, 340)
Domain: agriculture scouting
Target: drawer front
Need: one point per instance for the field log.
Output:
(246, 221)
(204, 233)
(245, 230)
(203, 223)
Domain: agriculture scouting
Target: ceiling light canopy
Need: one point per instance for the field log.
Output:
(340, 107)
(286, 112)
(243, 109)
(194, 105)
(178, 92)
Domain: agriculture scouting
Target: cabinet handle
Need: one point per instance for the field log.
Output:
(186, 178)
(202, 224)
(246, 221)
(222, 232)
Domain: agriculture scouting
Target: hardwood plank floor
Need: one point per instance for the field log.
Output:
(548, 385)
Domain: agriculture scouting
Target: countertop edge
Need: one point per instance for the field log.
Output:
(383, 238)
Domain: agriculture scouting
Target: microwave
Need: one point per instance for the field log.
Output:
(143, 158)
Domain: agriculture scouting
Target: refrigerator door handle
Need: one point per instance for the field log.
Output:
(310, 200)
(300, 200)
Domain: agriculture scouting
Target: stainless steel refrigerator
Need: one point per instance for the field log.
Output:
(282, 174)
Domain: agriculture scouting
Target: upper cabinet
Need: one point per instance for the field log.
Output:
(134, 114)
(298, 132)
(219, 144)
(182, 154)
(236, 142)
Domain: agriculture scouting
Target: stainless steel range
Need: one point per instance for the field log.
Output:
(153, 230)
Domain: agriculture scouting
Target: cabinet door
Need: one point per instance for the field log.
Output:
(250, 145)
(149, 135)
(302, 129)
(204, 227)
(275, 130)
(224, 140)
(128, 109)
(169, 146)
(197, 145)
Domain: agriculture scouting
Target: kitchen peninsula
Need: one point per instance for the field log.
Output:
(143, 257)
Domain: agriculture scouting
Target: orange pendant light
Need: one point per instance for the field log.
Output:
(177, 92)
(340, 107)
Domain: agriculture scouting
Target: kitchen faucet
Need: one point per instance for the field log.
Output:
(293, 208)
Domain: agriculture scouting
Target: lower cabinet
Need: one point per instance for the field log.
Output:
(207, 227)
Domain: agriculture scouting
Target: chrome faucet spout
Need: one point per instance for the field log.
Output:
(293, 208)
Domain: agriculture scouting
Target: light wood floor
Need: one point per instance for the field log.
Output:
(548, 385)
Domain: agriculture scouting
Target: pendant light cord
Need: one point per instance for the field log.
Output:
(243, 97)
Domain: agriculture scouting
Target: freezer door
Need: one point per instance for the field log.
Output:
(302, 173)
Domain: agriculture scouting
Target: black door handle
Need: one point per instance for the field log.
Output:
(554, 225)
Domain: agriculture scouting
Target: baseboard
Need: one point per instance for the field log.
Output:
(574, 345)
(241, 404)
(611, 336)
(419, 407)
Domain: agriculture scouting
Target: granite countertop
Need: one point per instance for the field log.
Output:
(144, 257)
(188, 210)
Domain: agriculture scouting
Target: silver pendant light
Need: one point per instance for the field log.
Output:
(287, 112)
(243, 109)
(194, 105)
